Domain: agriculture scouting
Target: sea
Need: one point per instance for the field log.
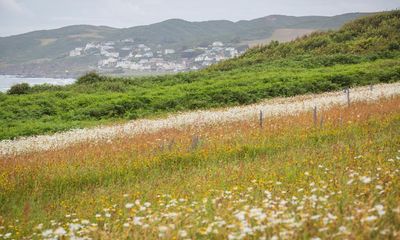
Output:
(6, 81)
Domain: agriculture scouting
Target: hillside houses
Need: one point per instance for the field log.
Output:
(169, 51)
(109, 62)
(75, 52)
(128, 55)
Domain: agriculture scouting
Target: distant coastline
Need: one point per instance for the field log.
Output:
(6, 81)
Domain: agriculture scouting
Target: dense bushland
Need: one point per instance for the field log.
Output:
(363, 52)
(21, 88)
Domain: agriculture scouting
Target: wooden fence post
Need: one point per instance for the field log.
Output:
(261, 119)
(315, 116)
(195, 143)
(348, 96)
(322, 121)
(171, 144)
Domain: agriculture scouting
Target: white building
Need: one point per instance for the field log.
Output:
(110, 43)
(143, 47)
(126, 48)
(109, 54)
(109, 62)
(76, 52)
(208, 58)
(148, 54)
(128, 40)
(217, 49)
(169, 51)
(129, 65)
(219, 58)
(199, 58)
(232, 51)
(106, 47)
(217, 44)
(91, 45)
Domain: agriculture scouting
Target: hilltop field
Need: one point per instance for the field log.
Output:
(223, 173)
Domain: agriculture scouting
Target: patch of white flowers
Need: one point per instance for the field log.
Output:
(282, 106)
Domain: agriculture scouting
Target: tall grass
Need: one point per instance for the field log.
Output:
(343, 177)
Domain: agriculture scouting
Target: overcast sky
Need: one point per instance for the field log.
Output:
(19, 16)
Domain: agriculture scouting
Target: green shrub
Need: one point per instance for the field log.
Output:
(20, 88)
(62, 95)
(394, 46)
(341, 80)
(89, 78)
(113, 86)
(45, 87)
(2, 96)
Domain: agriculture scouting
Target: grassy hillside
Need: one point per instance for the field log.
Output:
(363, 52)
(30, 46)
(287, 180)
(372, 37)
(176, 31)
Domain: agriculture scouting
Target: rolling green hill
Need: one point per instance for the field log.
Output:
(362, 52)
(48, 50)
(370, 37)
(176, 31)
